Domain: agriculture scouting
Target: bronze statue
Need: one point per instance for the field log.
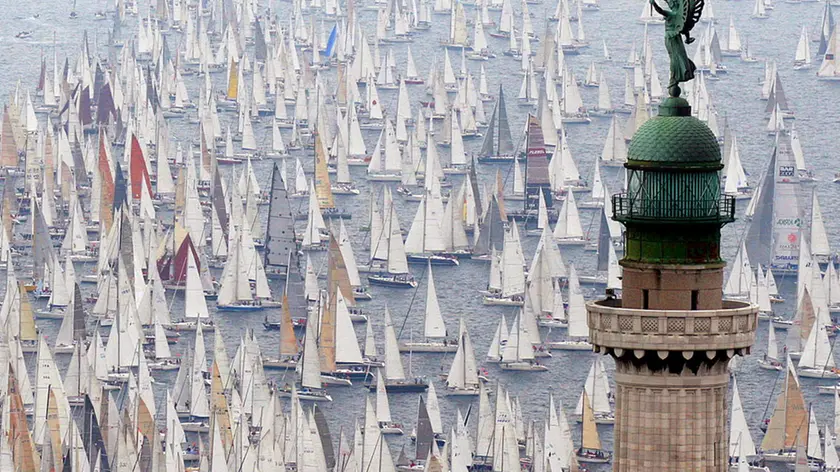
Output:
(679, 21)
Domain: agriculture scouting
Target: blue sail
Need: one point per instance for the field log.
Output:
(331, 41)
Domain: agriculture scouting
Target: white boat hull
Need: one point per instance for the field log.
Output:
(502, 301)
(428, 347)
(818, 374)
(523, 367)
(462, 392)
(569, 346)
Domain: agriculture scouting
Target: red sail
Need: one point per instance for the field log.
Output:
(179, 269)
(139, 172)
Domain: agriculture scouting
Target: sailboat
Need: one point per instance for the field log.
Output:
(597, 387)
(732, 47)
(383, 408)
(759, 10)
(434, 328)
(395, 378)
(309, 371)
(568, 231)
(817, 358)
(498, 142)
(235, 291)
(425, 241)
(802, 58)
(590, 450)
(494, 354)
(773, 236)
(614, 153)
(741, 444)
(518, 352)
(578, 331)
(396, 273)
(788, 424)
(830, 67)
(770, 361)
(508, 269)
(463, 379)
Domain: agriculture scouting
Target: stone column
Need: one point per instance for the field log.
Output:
(670, 422)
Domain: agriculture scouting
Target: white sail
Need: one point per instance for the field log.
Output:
(393, 363)
(740, 440)
(577, 307)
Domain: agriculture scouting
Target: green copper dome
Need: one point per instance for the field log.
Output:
(674, 139)
(673, 208)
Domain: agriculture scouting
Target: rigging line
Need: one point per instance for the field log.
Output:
(411, 303)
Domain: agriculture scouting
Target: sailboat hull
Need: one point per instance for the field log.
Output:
(434, 259)
(523, 367)
(589, 459)
(824, 374)
(239, 307)
(770, 366)
(402, 386)
(496, 159)
(429, 347)
(828, 390)
(569, 346)
(387, 280)
(499, 301)
(304, 396)
(462, 392)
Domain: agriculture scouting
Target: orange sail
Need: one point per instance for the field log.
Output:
(23, 450)
(288, 341)
(233, 80)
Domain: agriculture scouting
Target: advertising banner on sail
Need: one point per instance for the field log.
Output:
(787, 215)
(536, 172)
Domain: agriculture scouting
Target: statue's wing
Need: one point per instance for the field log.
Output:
(693, 10)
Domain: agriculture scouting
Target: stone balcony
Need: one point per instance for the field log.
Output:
(731, 328)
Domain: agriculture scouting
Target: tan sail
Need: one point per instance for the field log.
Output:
(8, 147)
(106, 200)
(25, 457)
(288, 342)
(323, 188)
(28, 332)
(500, 195)
(145, 422)
(180, 196)
(220, 409)
(326, 341)
(806, 315)
(341, 93)
(591, 441)
(789, 424)
(206, 148)
(54, 426)
(337, 273)
(434, 464)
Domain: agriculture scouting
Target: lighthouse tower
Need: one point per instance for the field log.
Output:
(671, 333)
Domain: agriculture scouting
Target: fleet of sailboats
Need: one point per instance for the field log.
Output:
(173, 216)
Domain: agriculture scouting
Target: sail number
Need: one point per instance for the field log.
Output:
(788, 222)
(787, 171)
